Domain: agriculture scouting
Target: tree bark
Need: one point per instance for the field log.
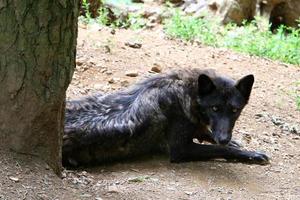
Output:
(37, 60)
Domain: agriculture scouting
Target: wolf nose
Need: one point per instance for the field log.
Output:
(224, 141)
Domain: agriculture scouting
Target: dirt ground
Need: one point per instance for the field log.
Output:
(269, 123)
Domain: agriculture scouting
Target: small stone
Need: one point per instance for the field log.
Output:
(103, 70)
(124, 83)
(15, 179)
(247, 137)
(150, 25)
(113, 189)
(156, 68)
(108, 73)
(113, 31)
(133, 44)
(189, 193)
(131, 73)
(86, 196)
(111, 81)
(47, 167)
(64, 174)
(99, 86)
(106, 49)
(79, 63)
(171, 188)
(138, 179)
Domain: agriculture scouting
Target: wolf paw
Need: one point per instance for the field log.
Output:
(256, 157)
(234, 144)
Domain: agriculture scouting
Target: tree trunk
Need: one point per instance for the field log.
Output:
(37, 59)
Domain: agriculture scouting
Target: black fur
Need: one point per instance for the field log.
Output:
(160, 114)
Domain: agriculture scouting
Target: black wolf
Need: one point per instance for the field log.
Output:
(164, 113)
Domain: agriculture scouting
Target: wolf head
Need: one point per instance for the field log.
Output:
(221, 101)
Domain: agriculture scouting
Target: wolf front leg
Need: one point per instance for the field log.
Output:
(197, 152)
(183, 149)
(206, 136)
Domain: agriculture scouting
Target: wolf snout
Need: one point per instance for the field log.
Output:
(223, 139)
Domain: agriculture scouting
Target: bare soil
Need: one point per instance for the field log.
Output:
(268, 124)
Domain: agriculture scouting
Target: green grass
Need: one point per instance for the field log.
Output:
(283, 45)
(133, 21)
(87, 17)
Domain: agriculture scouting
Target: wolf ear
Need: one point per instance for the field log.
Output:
(244, 85)
(205, 84)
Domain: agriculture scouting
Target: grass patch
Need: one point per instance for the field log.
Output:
(283, 45)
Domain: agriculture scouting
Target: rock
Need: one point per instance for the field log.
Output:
(138, 179)
(15, 179)
(192, 6)
(273, 12)
(112, 189)
(113, 31)
(146, 13)
(111, 81)
(131, 73)
(133, 44)
(86, 195)
(106, 49)
(124, 83)
(189, 193)
(108, 72)
(247, 137)
(47, 167)
(277, 120)
(156, 68)
(295, 129)
(98, 86)
(79, 63)
(150, 25)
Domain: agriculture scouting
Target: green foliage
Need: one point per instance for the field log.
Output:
(283, 45)
(133, 20)
(103, 16)
(86, 7)
(136, 21)
(189, 28)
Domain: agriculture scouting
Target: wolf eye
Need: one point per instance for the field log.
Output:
(234, 110)
(215, 108)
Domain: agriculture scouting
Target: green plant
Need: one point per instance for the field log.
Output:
(103, 16)
(132, 20)
(86, 7)
(283, 45)
(136, 21)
